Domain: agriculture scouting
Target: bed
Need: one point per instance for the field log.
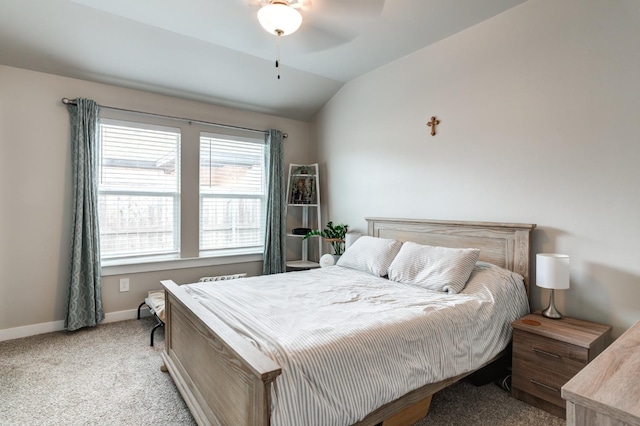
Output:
(225, 379)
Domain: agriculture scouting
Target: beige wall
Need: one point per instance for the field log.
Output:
(540, 122)
(35, 194)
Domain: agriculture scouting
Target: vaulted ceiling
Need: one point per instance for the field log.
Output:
(216, 51)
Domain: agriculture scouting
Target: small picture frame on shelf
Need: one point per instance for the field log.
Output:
(303, 189)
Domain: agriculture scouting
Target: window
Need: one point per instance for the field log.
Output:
(163, 174)
(232, 192)
(139, 190)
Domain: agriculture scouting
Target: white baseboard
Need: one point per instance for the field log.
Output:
(31, 330)
(49, 327)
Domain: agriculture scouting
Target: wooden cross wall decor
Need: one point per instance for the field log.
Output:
(433, 123)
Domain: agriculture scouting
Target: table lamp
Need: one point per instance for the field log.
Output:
(552, 272)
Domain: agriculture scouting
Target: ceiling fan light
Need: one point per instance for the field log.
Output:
(279, 18)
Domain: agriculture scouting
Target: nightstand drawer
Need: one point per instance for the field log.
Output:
(539, 382)
(559, 357)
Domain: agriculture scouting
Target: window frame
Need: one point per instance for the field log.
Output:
(205, 252)
(174, 252)
(189, 255)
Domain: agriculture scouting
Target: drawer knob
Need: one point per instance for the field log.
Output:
(535, 382)
(540, 351)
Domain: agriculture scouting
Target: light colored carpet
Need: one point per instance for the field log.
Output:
(109, 375)
(106, 375)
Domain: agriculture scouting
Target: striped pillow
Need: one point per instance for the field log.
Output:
(436, 268)
(370, 254)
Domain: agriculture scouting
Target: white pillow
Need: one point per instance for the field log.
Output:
(370, 254)
(435, 268)
(488, 275)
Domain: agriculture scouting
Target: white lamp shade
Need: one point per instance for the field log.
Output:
(350, 238)
(552, 271)
(279, 18)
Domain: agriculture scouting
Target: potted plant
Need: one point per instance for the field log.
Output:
(333, 234)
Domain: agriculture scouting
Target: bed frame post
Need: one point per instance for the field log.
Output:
(222, 377)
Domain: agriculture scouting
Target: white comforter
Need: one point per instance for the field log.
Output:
(348, 342)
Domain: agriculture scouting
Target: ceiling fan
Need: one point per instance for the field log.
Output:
(327, 23)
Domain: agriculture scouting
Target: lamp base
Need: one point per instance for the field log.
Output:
(551, 311)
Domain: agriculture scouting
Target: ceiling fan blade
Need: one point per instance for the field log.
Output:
(354, 8)
(315, 38)
(331, 23)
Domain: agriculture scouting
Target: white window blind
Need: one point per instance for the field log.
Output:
(232, 193)
(139, 189)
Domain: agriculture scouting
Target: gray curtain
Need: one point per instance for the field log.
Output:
(275, 250)
(84, 300)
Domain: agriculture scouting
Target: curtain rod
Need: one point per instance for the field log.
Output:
(68, 101)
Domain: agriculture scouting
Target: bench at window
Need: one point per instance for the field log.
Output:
(155, 300)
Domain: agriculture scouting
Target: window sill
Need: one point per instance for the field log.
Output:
(164, 264)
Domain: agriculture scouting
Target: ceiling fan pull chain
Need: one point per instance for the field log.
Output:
(278, 34)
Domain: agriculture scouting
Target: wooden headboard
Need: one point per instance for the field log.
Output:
(503, 244)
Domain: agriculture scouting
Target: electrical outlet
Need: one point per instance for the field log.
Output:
(124, 284)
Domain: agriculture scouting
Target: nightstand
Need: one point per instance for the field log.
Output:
(547, 353)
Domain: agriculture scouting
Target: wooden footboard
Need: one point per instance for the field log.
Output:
(223, 379)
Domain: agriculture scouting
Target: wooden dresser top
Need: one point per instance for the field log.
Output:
(611, 383)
